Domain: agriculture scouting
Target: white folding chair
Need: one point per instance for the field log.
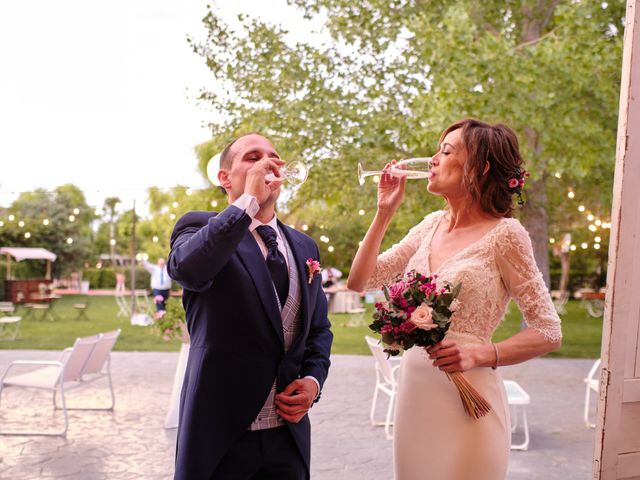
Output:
(143, 302)
(7, 308)
(124, 309)
(386, 382)
(592, 384)
(50, 375)
(518, 400)
(9, 327)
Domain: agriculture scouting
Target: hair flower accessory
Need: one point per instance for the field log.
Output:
(516, 183)
(313, 267)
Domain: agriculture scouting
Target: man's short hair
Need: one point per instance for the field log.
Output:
(226, 156)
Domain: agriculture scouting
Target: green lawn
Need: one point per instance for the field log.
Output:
(582, 333)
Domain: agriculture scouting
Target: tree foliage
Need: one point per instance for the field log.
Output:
(394, 74)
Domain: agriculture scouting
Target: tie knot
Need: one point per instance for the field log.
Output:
(269, 236)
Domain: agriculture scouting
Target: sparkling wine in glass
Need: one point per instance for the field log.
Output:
(295, 173)
(418, 167)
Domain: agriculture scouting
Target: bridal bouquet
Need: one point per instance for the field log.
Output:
(418, 313)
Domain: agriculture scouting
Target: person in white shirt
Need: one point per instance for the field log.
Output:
(160, 282)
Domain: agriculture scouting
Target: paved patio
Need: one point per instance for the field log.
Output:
(131, 443)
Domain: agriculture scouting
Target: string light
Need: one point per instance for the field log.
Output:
(76, 211)
(1, 224)
(596, 246)
(581, 208)
(557, 175)
(552, 240)
(214, 203)
(584, 245)
(45, 222)
(188, 191)
(590, 217)
(21, 224)
(597, 239)
(27, 235)
(172, 216)
(175, 204)
(376, 178)
(330, 248)
(69, 240)
(571, 194)
(305, 227)
(11, 218)
(598, 222)
(71, 218)
(573, 248)
(155, 239)
(112, 241)
(360, 212)
(593, 228)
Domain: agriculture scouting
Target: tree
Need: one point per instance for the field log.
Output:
(59, 221)
(396, 73)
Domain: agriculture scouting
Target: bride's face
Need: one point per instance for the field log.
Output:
(447, 167)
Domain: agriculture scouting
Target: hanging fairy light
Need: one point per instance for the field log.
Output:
(557, 175)
(214, 203)
(597, 239)
(76, 211)
(188, 192)
(27, 235)
(361, 212)
(376, 178)
(573, 248)
(598, 222)
(305, 227)
(72, 218)
(596, 246)
(21, 224)
(584, 245)
(592, 228)
(571, 194)
(590, 217)
(69, 240)
(330, 248)
(172, 216)
(1, 223)
(155, 239)
(45, 222)
(581, 208)
(139, 257)
(12, 218)
(112, 242)
(175, 204)
(552, 240)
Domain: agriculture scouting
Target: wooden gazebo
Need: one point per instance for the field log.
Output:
(22, 290)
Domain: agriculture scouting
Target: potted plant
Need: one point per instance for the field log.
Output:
(171, 322)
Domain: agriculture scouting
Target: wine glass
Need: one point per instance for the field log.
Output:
(418, 167)
(295, 173)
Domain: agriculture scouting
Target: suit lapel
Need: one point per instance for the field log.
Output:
(298, 254)
(251, 256)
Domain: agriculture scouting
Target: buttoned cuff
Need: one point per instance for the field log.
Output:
(317, 385)
(248, 203)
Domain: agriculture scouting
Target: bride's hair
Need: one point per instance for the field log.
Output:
(493, 158)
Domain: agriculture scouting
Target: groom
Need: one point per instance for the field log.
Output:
(260, 338)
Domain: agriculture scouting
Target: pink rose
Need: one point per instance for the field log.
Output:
(514, 182)
(396, 290)
(422, 317)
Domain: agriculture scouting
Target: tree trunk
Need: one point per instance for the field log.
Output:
(565, 266)
(535, 221)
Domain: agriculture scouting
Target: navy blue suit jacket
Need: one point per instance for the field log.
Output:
(237, 344)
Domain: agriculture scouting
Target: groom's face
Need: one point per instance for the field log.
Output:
(245, 152)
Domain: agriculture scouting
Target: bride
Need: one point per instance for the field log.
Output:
(475, 241)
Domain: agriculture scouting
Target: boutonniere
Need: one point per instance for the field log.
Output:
(313, 267)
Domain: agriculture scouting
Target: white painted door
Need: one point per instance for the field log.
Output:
(617, 443)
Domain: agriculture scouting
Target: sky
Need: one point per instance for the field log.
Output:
(102, 94)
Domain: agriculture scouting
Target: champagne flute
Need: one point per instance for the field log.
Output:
(418, 167)
(295, 173)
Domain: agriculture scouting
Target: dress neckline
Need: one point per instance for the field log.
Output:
(459, 252)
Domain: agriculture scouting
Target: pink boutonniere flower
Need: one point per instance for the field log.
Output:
(313, 267)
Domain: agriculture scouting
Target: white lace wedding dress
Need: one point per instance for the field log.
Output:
(433, 436)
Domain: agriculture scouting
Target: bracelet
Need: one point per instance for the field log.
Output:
(495, 349)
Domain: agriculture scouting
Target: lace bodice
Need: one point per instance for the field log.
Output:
(498, 266)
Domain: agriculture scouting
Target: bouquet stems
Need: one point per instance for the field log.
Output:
(474, 404)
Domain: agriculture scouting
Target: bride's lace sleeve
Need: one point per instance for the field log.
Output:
(393, 261)
(524, 282)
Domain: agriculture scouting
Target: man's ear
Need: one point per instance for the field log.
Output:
(223, 178)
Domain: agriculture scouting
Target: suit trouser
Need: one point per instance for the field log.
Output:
(263, 455)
